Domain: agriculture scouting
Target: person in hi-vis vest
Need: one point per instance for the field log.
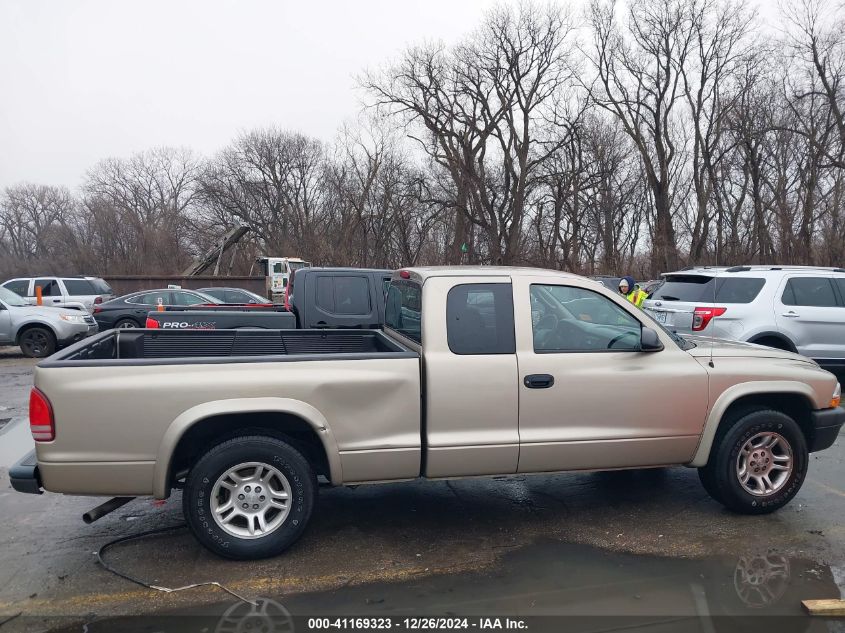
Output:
(632, 291)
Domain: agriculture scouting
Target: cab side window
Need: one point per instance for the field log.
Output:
(479, 319)
(809, 291)
(571, 319)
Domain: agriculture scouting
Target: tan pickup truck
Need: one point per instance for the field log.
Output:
(479, 371)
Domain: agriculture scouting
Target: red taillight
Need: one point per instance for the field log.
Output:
(701, 317)
(41, 422)
(98, 300)
(96, 310)
(152, 324)
(287, 294)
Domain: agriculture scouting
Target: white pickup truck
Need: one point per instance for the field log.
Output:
(479, 371)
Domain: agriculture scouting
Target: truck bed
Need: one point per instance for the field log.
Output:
(141, 347)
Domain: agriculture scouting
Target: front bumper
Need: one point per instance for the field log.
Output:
(826, 426)
(77, 333)
(24, 475)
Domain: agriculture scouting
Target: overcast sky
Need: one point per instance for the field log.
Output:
(81, 80)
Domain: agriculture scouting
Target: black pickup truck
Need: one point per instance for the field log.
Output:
(336, 298)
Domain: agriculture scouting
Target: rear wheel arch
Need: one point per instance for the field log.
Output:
(202, 427)
(774, 339)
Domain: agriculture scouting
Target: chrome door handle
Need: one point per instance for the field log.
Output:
(790, 315)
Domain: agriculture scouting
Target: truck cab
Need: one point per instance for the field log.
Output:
(277, 271)
(338, 297)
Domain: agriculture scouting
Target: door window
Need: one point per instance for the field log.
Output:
(479, 319)
(570, 319)
(18, 286)
(809, 291)
(49, 288)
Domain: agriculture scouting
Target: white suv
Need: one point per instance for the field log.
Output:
(76, 293)
(796, 308)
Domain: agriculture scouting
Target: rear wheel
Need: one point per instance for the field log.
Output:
(757, 464)
(249, 497)
(37, 342)
(123, 324)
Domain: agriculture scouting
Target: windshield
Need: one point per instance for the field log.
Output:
(11, 298)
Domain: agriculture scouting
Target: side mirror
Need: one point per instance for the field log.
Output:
(649, 341)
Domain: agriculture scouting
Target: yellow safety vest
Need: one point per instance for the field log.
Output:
(636, 296)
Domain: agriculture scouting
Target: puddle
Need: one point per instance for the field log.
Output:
(550, 586)
(15, 441)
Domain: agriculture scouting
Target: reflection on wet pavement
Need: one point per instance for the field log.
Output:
(584, 588)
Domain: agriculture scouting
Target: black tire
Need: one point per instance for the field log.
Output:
(37, 342)
(720, 476)
(268, 451)
(705, 475)
(126, 323)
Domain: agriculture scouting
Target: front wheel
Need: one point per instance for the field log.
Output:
(249, 497)
(37, 342)
(758, 464)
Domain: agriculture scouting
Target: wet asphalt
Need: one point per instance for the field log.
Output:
(645, 549)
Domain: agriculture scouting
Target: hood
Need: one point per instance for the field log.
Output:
(722, 348)
(46, 311)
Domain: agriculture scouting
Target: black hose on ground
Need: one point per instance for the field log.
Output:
(165, 530)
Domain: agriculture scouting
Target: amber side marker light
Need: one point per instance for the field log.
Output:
(836, 400)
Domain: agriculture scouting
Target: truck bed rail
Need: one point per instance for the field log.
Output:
(133, 347)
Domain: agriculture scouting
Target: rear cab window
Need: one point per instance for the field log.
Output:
(479, 319)
(403, 309)
(706, 289)
(342, 294)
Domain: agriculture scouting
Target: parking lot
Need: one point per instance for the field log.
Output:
(648, 543)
